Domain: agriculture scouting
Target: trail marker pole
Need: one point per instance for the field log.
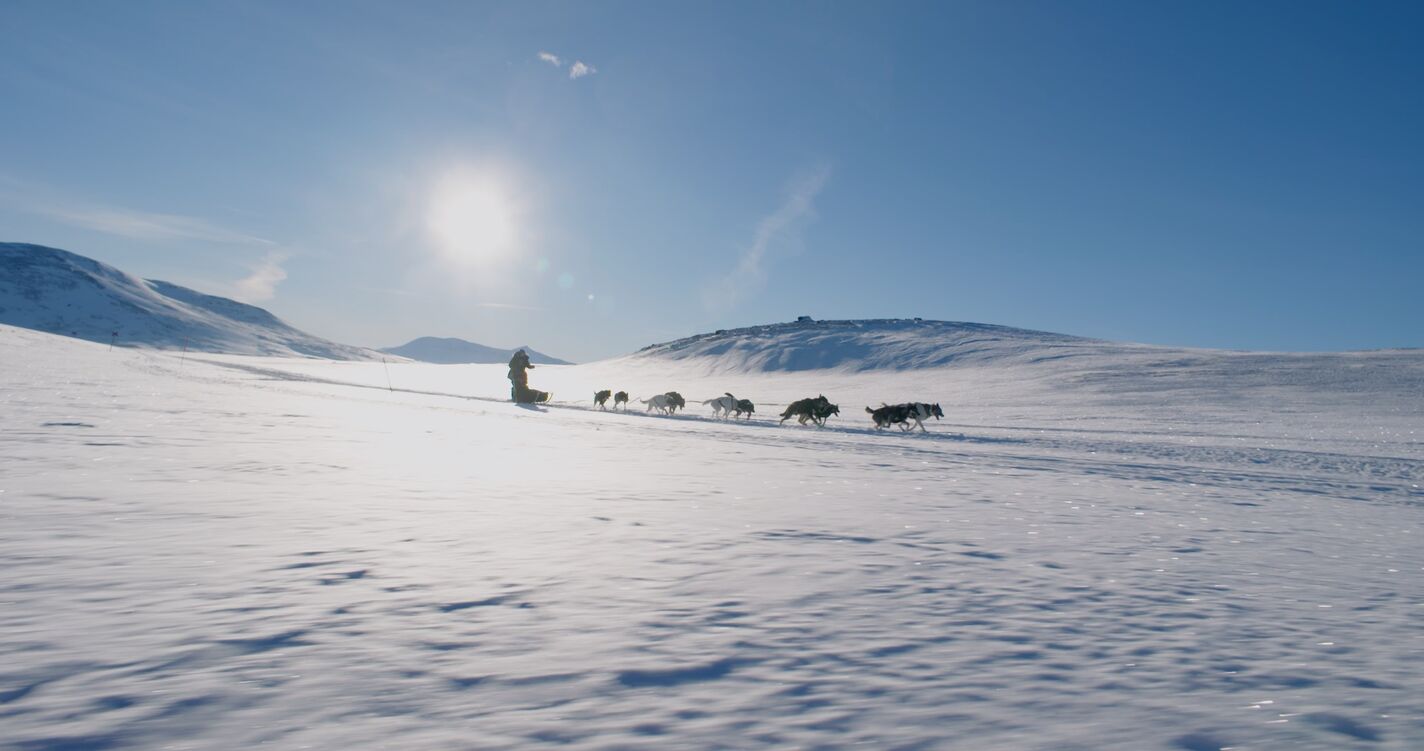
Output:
(112, 336)
(388, 375)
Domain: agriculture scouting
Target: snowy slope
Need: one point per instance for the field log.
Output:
(220, 552)
(60, 292)
(451, 351)
(961, 362)
(913, 344)
(883, 344)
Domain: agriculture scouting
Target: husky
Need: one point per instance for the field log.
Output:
(817, 410)
(621, 398)
(902, 414)
(885, 415)
(924, 411)
(744, 407)
(660, 402)
(675, 402)
(601, 398)
(722, 406)
(891, 414)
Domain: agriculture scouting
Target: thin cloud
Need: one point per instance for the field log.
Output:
(505, 306)
(141, 225)
(777, 230)
(261, 284)
(578, 70)
(123, 222)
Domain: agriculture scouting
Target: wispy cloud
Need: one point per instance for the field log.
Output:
(261, 284)
(579, 69)
(124, 222)
(505, 306)
(146, 226)
(776, 231)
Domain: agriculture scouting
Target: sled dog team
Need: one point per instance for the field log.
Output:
(908, 415)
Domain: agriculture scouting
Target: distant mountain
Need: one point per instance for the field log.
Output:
(894, 344)
(56, 291)
(450, 351)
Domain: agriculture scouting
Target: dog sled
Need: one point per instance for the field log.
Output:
(519, 391)
(525, 395)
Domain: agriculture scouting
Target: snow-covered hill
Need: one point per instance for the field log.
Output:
(65, 293)
(882, 344)
(938, 352)
(451, 351)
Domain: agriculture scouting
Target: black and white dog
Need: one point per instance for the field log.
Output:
(621, 398)
(744, 407)
(901, 414)
(601, 398)
(723, 406)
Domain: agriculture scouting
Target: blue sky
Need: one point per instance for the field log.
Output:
(590, 178)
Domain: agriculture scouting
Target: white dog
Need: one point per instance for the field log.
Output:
(661, 403)
(722, 406)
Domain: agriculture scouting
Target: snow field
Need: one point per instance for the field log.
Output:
(224, 552)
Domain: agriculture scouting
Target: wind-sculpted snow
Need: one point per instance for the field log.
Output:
(222, 552)
(63, 293)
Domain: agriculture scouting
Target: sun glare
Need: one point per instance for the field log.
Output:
(473, 219)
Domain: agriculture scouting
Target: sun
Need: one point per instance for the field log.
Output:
(473, 219)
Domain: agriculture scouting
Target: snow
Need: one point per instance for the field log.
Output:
(60, 292)
(881, 344)
(1121, 549)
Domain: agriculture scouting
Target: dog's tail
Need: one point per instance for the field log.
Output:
(869, 411)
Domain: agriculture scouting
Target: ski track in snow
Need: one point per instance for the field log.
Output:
(228, 552)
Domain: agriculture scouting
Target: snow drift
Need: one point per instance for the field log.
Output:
(65, 293)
